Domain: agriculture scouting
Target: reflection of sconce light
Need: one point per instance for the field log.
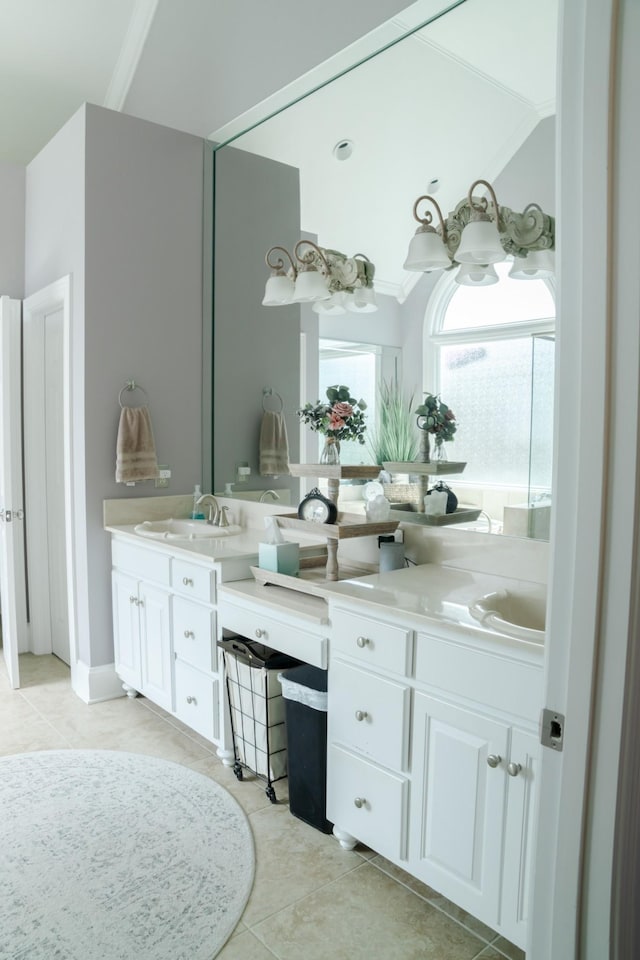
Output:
(328, 279)
(479, 233)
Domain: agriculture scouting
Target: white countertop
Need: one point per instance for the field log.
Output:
(433, 592)
(429, 593)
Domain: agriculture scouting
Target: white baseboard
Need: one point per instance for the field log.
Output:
(93, 684)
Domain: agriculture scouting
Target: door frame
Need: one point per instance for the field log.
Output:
(57, 296)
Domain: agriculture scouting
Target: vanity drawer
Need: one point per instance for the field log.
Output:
(372, 642)
(194, 634)
(192, 580)
(284, 637)
(368, 802)
(197, 700)
(507, 684)
(370, 714)
(140, 562)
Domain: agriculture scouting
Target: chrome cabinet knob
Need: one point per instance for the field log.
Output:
(359, 802)
(494, 760)
(513, 769)
(361, 715)
(132, 599)
(192, 700)
(260, 633)
(362, 641)
(188, 582)
(189, 634)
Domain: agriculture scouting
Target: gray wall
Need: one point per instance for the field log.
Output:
(12, 192)
(245, 51)
(117, 203)
(257, 205)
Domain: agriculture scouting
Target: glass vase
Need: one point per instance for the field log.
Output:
(440, 452)
(330, 452)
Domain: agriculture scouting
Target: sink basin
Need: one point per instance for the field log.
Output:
(517, 615)
(182, 530)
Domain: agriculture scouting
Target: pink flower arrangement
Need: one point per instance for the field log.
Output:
(341, 418)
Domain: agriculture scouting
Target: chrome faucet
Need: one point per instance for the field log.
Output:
(212, 503)
(268, 493)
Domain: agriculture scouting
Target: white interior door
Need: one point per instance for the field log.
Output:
(12, 560)
(44, 464)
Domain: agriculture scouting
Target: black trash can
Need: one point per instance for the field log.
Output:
(304, 690)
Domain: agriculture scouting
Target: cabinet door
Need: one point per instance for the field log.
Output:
(155, 645)
(458, 804)
(519, 838)
(126, 634)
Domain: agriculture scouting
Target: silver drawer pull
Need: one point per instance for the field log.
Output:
(494, 760)
(133, 599)
(361, 715)
(189, 634)
(260, 633)
(359, 802)
(188, 582)
(140, 603)
(513, 769)
(362, 641)
(192, 700)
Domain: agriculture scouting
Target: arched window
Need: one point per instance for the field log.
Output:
(489, 352)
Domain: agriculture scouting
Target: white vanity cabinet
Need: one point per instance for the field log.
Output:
(141, 623)
(432, 758)
(165, 628)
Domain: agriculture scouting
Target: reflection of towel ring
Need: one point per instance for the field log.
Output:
(132, 385)
(269, 394)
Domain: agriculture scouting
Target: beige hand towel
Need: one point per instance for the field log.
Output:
(135, 448)
(274, 445)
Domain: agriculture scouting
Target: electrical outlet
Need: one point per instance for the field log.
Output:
(165, 473)
(162, 481)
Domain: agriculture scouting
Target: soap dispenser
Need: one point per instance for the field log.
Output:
(196, 512)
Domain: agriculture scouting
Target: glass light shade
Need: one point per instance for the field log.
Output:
(362, 300)
(476, 275)
(311, 285)
(537, 265)
(333, 307)
(480, 243)
(278, 290)
(427, 252)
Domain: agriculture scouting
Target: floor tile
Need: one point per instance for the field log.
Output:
(506, 949)
(293, 859)
(365, 914)
(451, 909)
(246, 947)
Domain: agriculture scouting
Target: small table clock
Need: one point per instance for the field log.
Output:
(317, 508)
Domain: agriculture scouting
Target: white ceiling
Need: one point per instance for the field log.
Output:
(455, 101)
(57, 54)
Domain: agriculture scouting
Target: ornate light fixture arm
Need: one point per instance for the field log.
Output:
(279, 266)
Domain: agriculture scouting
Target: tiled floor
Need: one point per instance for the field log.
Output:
(311, 900)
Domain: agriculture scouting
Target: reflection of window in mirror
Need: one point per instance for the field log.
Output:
(361, 367)
(489, 351)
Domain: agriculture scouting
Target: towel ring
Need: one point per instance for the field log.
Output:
(269, 394)
(131, 385)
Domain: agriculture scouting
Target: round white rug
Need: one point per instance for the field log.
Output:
(113, 856)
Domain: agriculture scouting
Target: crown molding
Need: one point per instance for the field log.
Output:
(130, 53)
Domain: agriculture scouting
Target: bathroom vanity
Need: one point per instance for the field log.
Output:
(432, 717)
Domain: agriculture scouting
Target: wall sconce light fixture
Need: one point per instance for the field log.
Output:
(331, 281)
(479, 233)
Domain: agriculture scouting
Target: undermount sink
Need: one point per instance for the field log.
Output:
(182, 530)
(521, 616)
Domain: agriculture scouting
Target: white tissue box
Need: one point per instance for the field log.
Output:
(279, 557)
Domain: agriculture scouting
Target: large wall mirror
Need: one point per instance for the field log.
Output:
(454, 93)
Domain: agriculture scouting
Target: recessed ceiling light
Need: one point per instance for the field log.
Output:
(343, 149)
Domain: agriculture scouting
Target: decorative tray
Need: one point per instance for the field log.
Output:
(310, 580)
